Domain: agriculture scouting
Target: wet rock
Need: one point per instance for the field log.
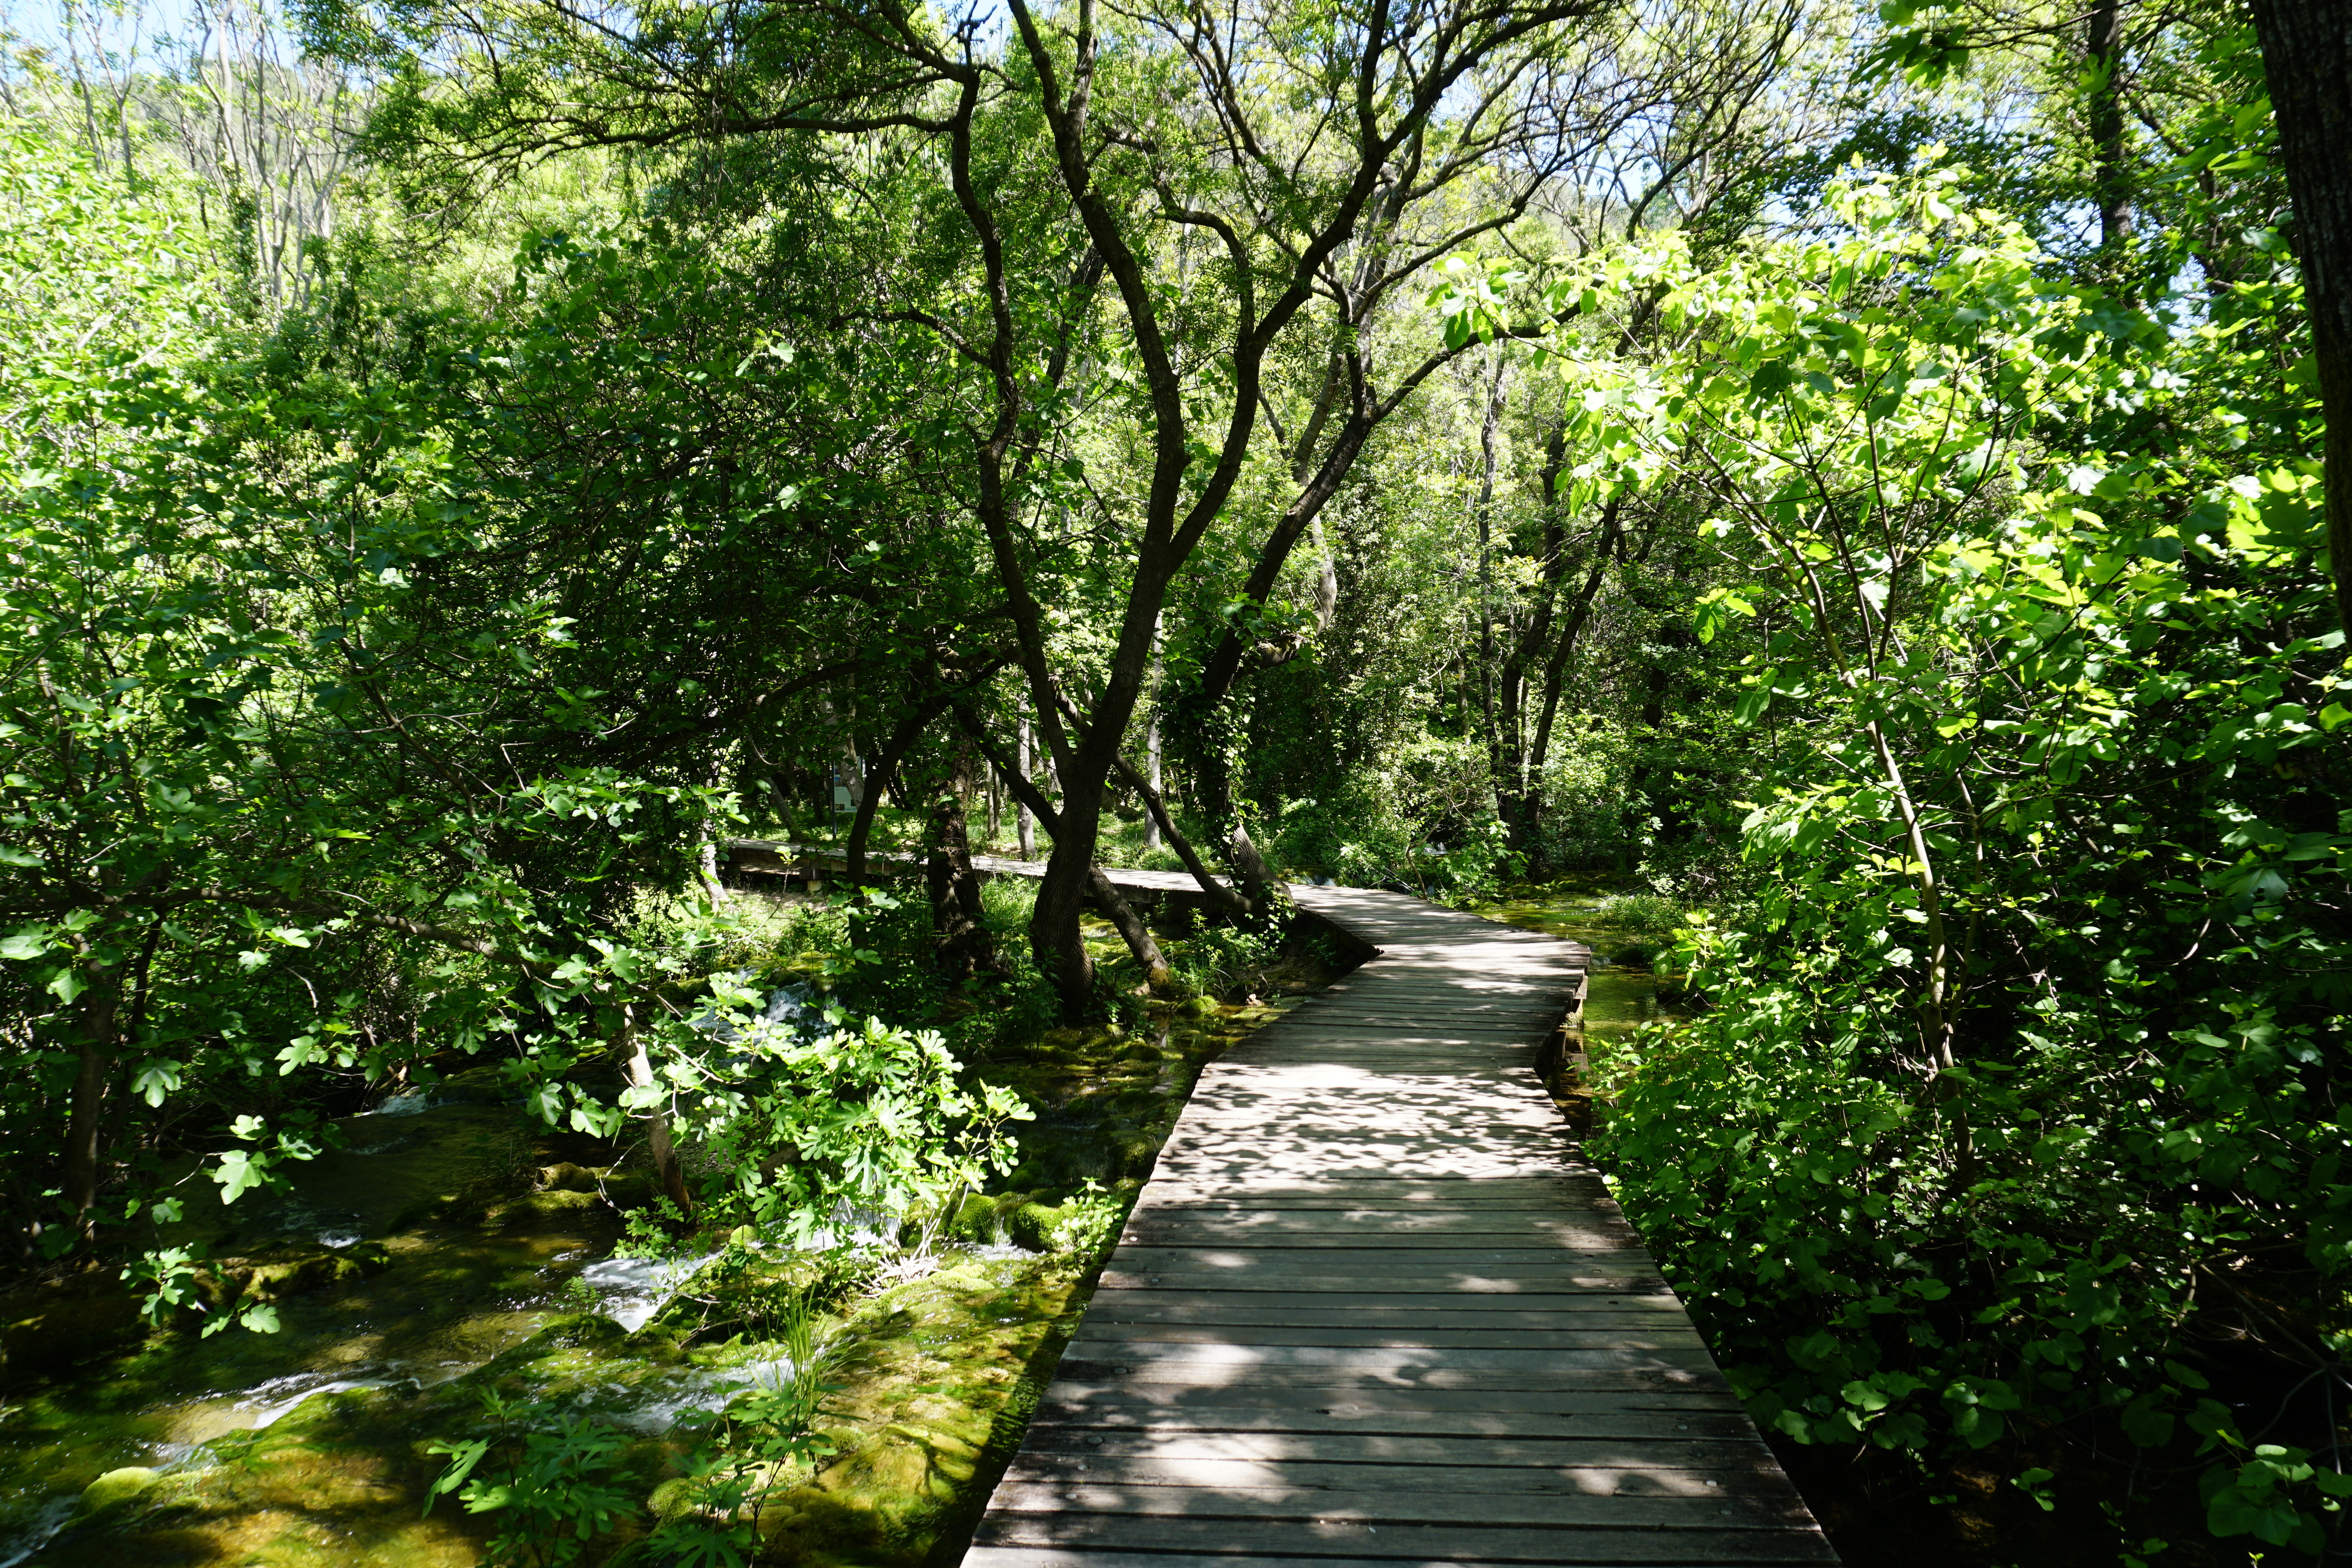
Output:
(623, 1189)
(48, 1328)
(581, 1331)
(565, 1176)
(282, 1276)
(113, 1492)
(559, 1206)
(476, 1086)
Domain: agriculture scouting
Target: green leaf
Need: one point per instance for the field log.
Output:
(463, 1456)
(2147, 1426)
(240, 1171)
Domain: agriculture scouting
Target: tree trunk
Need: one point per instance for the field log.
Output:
(1556, 671)
(1156, 972)
(1056, 939)
(1025, 825)
(1151, 762)
(1519, 796)
(1224, 664)
(97, 1047)
(1653, 777)
(908, 730)
(2308, 56)
(2107, 63)
(961, 941)
(1488, 430)
(1105, 891)
(665, 1154)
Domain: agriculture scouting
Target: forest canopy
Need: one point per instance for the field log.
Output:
(1855, 476)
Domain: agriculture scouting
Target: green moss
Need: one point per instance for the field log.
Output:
(567, 1176)
(46, 1329)
(113, 1490)
(1032, 1225)
(932, 1378)
(539, 1207)
(284, 1278)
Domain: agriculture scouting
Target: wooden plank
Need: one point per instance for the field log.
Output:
(1374, 1308)
(1453, 1542)
(1510, 1497)
(1649, 1452)
(1550, 1188)
(1528, 1021)
(1180, 1200)
(1396, 1050)
(1163, 1240)
(1145, 1358)
(1702, 1479)
(1591, 1547)
(1621, 1277)
(1103, 1338)
(1523, 1132)
(1320, 1091)
(1346, 1252)
(1148, 1290)
(1053, 1557)
(1394, 1228)
(1282, 1407)
(1580, 1242)
(1438, 1372)
(1497, 990)
(1536, 1315)
(1436, 1005)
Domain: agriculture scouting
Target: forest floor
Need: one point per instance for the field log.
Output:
(467, 1255)
(469, 1289)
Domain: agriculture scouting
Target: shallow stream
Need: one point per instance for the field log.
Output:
(452, 1297)
(1620, 997)
(310, 1445)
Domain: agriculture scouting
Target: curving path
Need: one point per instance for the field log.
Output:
(1373, 1308)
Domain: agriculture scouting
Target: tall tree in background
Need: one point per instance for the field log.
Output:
(1444, 121)
(2308, 56)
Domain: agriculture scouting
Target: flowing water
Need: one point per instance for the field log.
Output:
(454, 1263)
(453, 1296)
(309, 1446)
(1620, 997)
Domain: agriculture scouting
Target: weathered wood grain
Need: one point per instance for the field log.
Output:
(1374, 1309)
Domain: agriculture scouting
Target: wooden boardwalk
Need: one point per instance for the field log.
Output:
(1373, 1309)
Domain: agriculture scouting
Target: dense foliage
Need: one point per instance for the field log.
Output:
(2017, 1095)
(1849, 484)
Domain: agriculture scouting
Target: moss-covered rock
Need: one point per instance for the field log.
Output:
(580, 1330)
(114, 1491)
(566, 1177)
(46, 1329)
(1032, 1224)
(559, 1206)
(286, 1275)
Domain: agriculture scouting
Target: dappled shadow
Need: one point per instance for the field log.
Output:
(1373, 1307)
